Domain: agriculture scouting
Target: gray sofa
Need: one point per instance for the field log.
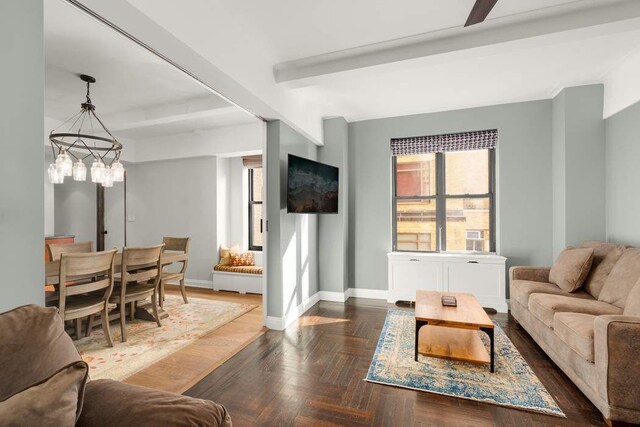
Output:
(592, 334)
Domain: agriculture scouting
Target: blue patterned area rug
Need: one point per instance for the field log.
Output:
(513, 384)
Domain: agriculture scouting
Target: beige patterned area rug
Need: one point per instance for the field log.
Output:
(147, 343)
(513, 384)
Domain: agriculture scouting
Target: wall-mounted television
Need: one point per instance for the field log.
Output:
(312, 187)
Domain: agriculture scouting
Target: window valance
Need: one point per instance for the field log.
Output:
(252, 162)
(462, 141)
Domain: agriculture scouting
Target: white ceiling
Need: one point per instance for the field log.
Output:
(292, 29)
(131, 82)
(399, 57)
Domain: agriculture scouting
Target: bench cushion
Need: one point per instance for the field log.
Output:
(251, 269)
(545, 306)
(576, 330)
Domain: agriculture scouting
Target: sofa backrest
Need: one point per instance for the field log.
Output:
(632, 306)
(623, 277)
(605, 256)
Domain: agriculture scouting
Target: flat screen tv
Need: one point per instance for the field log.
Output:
(312, 187)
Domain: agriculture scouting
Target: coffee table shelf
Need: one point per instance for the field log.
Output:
(455, 344)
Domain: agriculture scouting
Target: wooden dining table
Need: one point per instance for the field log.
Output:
(52, 277)
(52, 268)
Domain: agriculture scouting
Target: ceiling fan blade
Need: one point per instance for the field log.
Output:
(480, 11)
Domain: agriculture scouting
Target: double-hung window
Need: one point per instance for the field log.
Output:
(254, 169)
(444, 192)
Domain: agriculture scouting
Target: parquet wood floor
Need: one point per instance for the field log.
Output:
(187, 366)
(312, 374)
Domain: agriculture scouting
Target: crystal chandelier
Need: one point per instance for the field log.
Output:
(78, 144)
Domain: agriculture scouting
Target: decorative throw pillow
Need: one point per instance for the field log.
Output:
(571, 268)
(241, 260)
(225, 252)
(36, 335)
(53, 401)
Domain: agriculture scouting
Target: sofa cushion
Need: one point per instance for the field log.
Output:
(545, 306)
(576, 330)
(521, 290)
(622, 278)
(605, 256)
(52, 401)
(571, 268)
(632, 306)
(37, 335)
(113, 403)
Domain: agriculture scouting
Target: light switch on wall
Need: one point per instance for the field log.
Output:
(131, 218)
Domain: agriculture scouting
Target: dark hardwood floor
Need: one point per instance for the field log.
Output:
(312, 374)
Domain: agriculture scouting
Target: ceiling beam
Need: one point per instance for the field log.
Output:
(564, 18)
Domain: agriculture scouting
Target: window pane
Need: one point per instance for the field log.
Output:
(256, 215)
(468, 225)
(416, 175)
(467, 172)
(257, 184)
(416, 225)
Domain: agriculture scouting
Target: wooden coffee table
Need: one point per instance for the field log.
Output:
(451, 331)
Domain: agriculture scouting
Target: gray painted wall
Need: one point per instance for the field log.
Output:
(175, 198)
(558, 171)
(524, 193)
(333, 230)
(75, 210)
(22, 130)
(578, 166)
(623, 176)
(292, 254)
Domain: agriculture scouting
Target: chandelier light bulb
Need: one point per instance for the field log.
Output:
(79, 171)
(55, 177)
(97, 171)
(64, 163)
(118, 171)
(107, 179)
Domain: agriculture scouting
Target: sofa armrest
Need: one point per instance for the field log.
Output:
(535, 274)
(108, 402)
(617, 359)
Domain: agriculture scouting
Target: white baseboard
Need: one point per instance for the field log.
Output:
(197, 283)
(274, 323)
(333, 296)
(281, 323)
(367, 293)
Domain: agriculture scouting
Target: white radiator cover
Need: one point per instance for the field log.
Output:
(481, 275)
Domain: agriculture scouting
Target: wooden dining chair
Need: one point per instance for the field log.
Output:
(57, 249)
(176, 244)
(92, 277)
(139, 279)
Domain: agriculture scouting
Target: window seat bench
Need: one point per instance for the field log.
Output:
(246, 279)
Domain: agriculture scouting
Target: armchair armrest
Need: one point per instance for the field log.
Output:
(108, 402)
(535, 274)
(617, 359)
